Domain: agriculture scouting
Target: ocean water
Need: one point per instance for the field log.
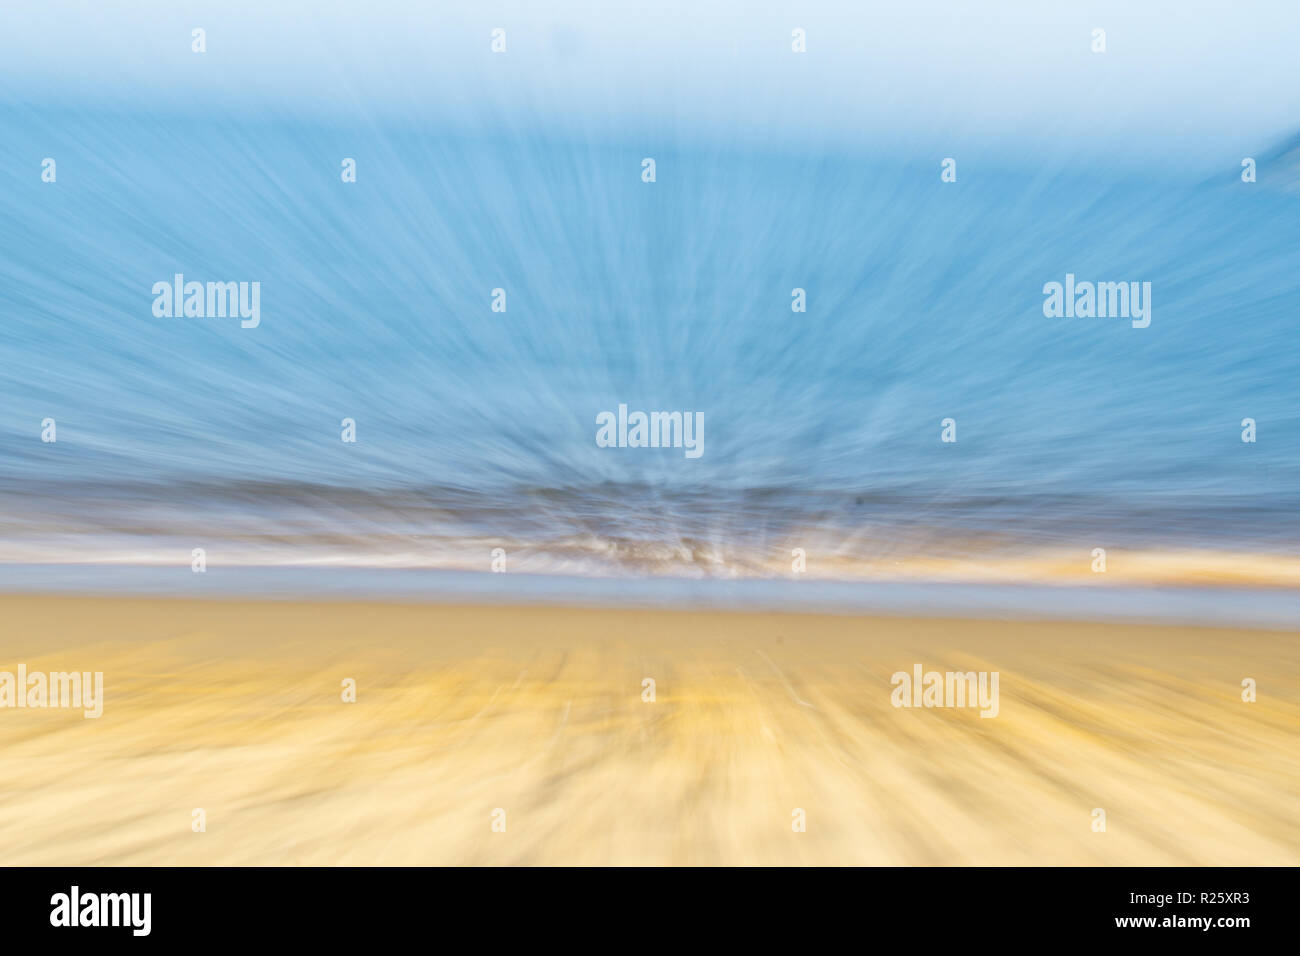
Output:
(477, 429)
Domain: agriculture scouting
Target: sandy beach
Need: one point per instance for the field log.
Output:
(236, 708)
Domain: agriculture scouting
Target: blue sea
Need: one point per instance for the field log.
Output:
(924, 302)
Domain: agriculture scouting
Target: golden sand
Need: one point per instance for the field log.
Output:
(235, 707)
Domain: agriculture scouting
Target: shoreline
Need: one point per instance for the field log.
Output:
(1226, 567)
(234, 707)
(1101, 600)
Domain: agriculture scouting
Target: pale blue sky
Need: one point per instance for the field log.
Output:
(1210, 80)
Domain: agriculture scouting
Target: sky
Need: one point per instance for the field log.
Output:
(1179, 83)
